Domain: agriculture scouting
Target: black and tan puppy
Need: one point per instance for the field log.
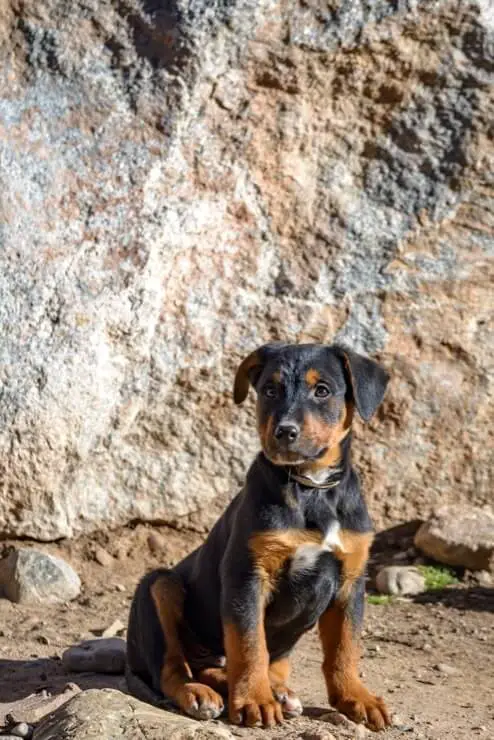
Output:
(289, 551)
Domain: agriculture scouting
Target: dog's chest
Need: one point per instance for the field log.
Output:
(306, 555)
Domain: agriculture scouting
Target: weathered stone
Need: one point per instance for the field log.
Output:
(459, 535)
(106, 713)
(104, 655)
(35, 706)
(114, 628)
(183, 181)
(400, 580)
(31, 577)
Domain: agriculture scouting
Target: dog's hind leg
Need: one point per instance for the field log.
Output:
(176, 680)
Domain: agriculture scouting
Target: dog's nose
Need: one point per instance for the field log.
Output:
(287, 432)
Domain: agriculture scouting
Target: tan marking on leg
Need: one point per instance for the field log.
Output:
(195, 699)
(214, 677)
(251, 699)
(340, 667)
(353, 554)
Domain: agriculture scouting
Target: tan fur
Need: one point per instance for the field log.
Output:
(340, 667)
(247, 663)
(312, 377)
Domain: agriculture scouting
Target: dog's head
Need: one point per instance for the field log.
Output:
(306, 395)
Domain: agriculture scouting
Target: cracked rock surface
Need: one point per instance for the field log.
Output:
(183, 181)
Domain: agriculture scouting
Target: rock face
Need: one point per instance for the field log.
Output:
(106, 713)
(181, 182)
(32, 577)
(461, 536)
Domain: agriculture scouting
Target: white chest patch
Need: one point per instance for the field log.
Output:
(306, 556)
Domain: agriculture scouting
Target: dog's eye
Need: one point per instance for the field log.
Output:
(321, 391)
(270, 391)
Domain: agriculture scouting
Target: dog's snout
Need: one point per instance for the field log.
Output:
(287, 432)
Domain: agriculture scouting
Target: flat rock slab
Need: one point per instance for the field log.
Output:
(103, 655)
(35, 706)
(106, 713)
(459, 535)
(28, 576)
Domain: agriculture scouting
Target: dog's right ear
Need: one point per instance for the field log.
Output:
(250, 369)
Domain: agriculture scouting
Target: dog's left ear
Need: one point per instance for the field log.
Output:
(368, 381)
(250, 369)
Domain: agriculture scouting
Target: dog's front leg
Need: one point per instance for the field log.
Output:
(339, 629)
(251, 698)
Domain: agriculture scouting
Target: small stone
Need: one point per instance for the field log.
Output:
(360, 732)
(484, 578)
(400, 580)
(120, 587)
(427, 647)
(103, 557)
(317, 735)
(337, 719)
(114, 628)
(29, 576)
(22, 730)
(448, 670)
(156, 543)
(103, 655)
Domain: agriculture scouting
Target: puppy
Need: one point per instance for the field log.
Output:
(288, 553)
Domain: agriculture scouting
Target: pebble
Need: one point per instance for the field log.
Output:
(120, 587)
(29, 576)
(103, 655)
(114, 628)
(22, 730)
(361, 732)
(103, 557)
(448, 670)
(317, 735)
(338, 719)
(156, 543)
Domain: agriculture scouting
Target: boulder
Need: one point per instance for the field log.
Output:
(183, 181)
(459, 535)
(28, 576)
(106, 713)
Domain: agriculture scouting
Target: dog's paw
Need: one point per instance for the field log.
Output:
(256, 707)
(361, 706)
(199, 701)
(291, 706)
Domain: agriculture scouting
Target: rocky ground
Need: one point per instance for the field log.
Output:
(432, 656)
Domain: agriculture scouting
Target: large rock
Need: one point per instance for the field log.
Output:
(183, 181)
(106, 713)
(460, 536)
(28, 576)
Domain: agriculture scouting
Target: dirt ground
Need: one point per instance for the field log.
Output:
(432, 657)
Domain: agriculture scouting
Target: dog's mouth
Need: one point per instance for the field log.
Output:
(294, 456)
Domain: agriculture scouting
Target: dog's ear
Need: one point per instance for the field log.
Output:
(250, 369)
(368, 381)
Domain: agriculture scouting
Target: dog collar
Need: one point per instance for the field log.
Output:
(331, 482)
